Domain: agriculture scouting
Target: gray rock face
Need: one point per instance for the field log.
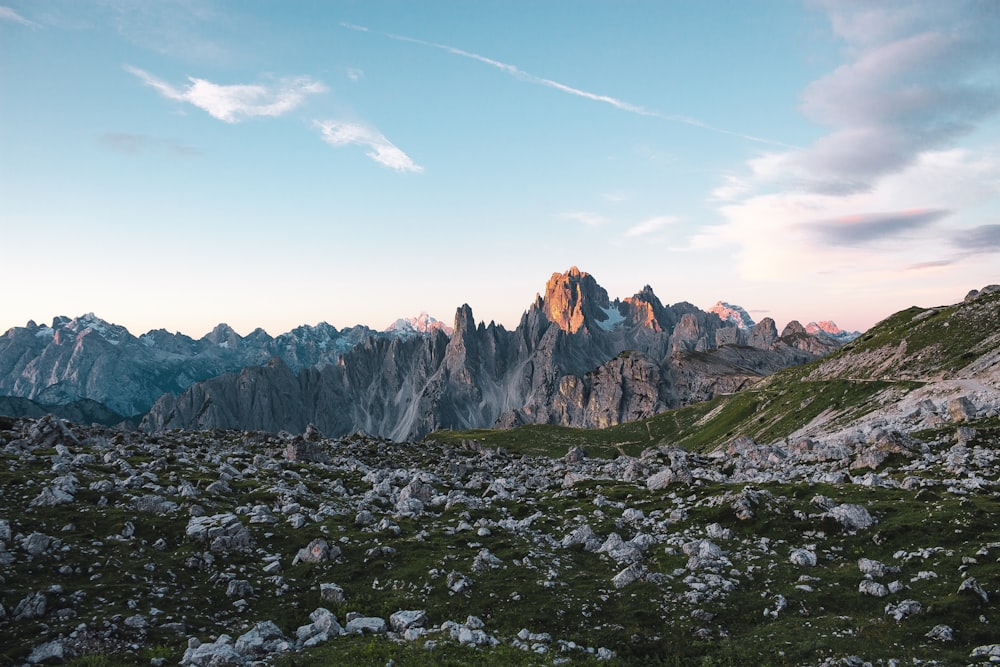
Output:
(575, 359)
(86, 358)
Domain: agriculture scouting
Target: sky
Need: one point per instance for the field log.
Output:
(270, 164)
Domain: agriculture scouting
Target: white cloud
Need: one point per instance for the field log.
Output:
(885, 190)
(908, 218)
(232, 103)
(354, 73)
(651, 225)
(586, 217)
(8, 14)
(917, 76)
(383, 151)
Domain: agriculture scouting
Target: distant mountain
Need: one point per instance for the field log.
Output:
(831, 329)
(731, 313)
(576, 358)
(422, 324)
(88, 358)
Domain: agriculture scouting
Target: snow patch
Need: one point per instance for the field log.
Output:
(615, 318)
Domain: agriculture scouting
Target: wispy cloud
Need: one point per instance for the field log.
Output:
(136, 144)
(586, 217)
(8, 14)
(354, 73)
(918, 75)
(651, 225)
(232, 103)
(861, 229)
(383, 151)
(528, 77)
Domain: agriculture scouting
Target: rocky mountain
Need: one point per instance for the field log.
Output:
(415, 326)
(576, 358)
(88, 358)
(826, 327)
(735, 314)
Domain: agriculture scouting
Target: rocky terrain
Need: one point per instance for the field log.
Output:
(839, 513)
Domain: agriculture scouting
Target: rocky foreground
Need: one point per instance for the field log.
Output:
(238, 548)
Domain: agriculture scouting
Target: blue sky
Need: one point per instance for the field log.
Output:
(179, 164)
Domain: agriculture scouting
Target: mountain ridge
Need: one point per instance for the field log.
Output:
(550, 368)
(576, 358)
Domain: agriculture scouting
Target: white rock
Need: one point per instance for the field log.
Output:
(402, 621)
(803, 557)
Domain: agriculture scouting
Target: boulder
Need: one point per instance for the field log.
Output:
(970, 585)
(961, 409)
(803, 557)
(401, 621)
(31, 606)
(872, 588)
(48, 653)
(852, 517)
(366, 625)
(331, 593)
(317, 551)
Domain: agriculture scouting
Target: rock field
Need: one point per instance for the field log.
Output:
(240, 548)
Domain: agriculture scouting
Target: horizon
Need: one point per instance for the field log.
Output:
(756, 315)
(178, 166)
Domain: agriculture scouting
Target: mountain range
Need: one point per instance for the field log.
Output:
(576, 358)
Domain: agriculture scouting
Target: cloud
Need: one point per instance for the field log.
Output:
(651, 225)
(520, 74)
(860, 229)
(917, 76)
(587, 218)
(135, 144)
(885, 191)
(383, 151)
(232, 103)
(981, 239)
(354, 73)
(8, 14)
(857, 237)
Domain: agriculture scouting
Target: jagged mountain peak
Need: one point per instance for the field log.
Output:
(224, 336)
(574, 299)
(729, 312)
